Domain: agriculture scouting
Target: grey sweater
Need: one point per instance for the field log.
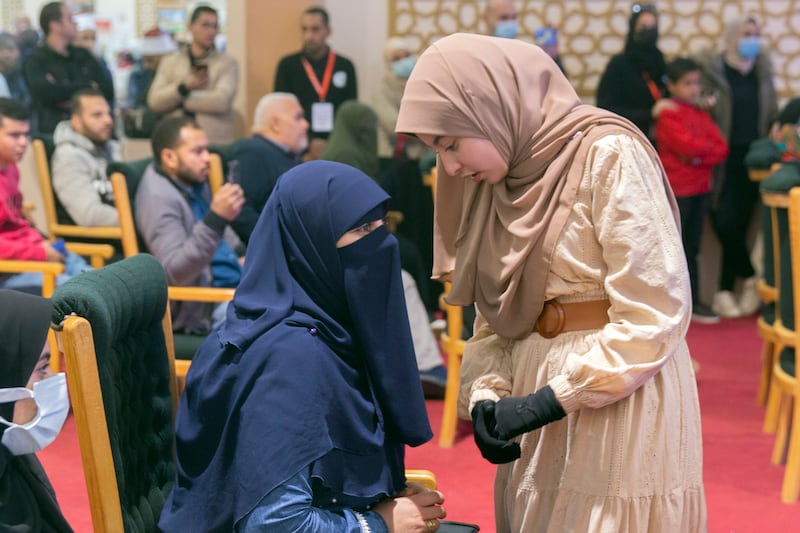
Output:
(79, 177)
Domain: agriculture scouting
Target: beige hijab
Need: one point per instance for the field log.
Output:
(496, 242)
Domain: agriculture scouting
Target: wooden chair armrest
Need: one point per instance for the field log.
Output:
(767, 293)
(758, 174)
(200, 294)
(49, 269)
(13, 266)
(94, 232)
(426, 478)
(98, 254)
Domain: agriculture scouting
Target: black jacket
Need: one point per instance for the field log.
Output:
(291, 77)
(53, 78)
(261, 163)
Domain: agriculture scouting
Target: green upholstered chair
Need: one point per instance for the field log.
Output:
(776, 324)
(112, 323)
(785, 387)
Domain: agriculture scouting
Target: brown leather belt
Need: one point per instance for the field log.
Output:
(558, 317)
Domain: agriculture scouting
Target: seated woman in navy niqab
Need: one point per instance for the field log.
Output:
(296, 413)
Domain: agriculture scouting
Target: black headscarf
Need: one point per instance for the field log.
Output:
(315, 365)
(27, 500)
(646, 57)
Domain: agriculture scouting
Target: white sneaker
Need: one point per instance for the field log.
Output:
(725, 305)
(749, 300)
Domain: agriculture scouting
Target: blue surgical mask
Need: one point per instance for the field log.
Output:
(507, 29)
(402, 67)
(749, 47)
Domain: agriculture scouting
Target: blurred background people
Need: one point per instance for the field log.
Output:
(12, 82)
(320, 78)
(138, 119)
(633, 80)
(689, 145)
(500, 17)
(199, 81)
(86, 38)
(57, 69)
(280, 136)
(739, 80)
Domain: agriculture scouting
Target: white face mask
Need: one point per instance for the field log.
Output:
(52, 401)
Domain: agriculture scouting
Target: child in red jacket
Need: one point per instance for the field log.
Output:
(690, 145)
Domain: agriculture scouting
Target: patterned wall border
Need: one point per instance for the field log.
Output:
(9, 11)
(591, 31)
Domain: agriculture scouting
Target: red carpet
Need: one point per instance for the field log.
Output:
(742, 486)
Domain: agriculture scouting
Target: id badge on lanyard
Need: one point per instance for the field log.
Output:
(321, 111)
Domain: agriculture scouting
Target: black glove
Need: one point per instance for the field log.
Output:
(517, 415)
(493, 449)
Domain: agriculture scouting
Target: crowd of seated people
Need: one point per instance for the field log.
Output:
(69, 94)
(180, 98)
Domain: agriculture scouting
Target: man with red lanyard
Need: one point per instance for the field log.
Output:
(320, 78)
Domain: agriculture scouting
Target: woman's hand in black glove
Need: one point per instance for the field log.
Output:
(493, 449)
(517, 415)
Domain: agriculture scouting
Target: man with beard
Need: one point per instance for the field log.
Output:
(321, 79)
(56, 70)
(83, 150)
(183, 225)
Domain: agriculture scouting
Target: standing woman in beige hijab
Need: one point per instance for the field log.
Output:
(556, 220)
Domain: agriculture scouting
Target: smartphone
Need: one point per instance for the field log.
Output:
(233, 172)
(200, 69)
(546, 36)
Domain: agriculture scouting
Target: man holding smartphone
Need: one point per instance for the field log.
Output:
(199, 81)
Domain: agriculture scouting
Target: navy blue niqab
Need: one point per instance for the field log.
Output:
(314, 367)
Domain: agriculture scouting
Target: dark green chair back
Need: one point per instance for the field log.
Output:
(133, 171)
(125, 304)
(781, 181)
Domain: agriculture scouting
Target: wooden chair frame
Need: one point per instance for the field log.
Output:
(785, 388)
(54, 227)
(769, 294)
(453, 346)
(130, 247)
(76, 341)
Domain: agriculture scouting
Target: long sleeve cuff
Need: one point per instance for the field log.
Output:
(565, 393)
(215, 222)
(371, 522)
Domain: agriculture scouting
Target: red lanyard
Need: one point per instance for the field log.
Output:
(322, 89)
(652, 87)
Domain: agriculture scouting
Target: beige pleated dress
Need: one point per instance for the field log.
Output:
(628, 455)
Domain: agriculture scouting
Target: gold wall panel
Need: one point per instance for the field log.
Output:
(591, 31)
(9, 11)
